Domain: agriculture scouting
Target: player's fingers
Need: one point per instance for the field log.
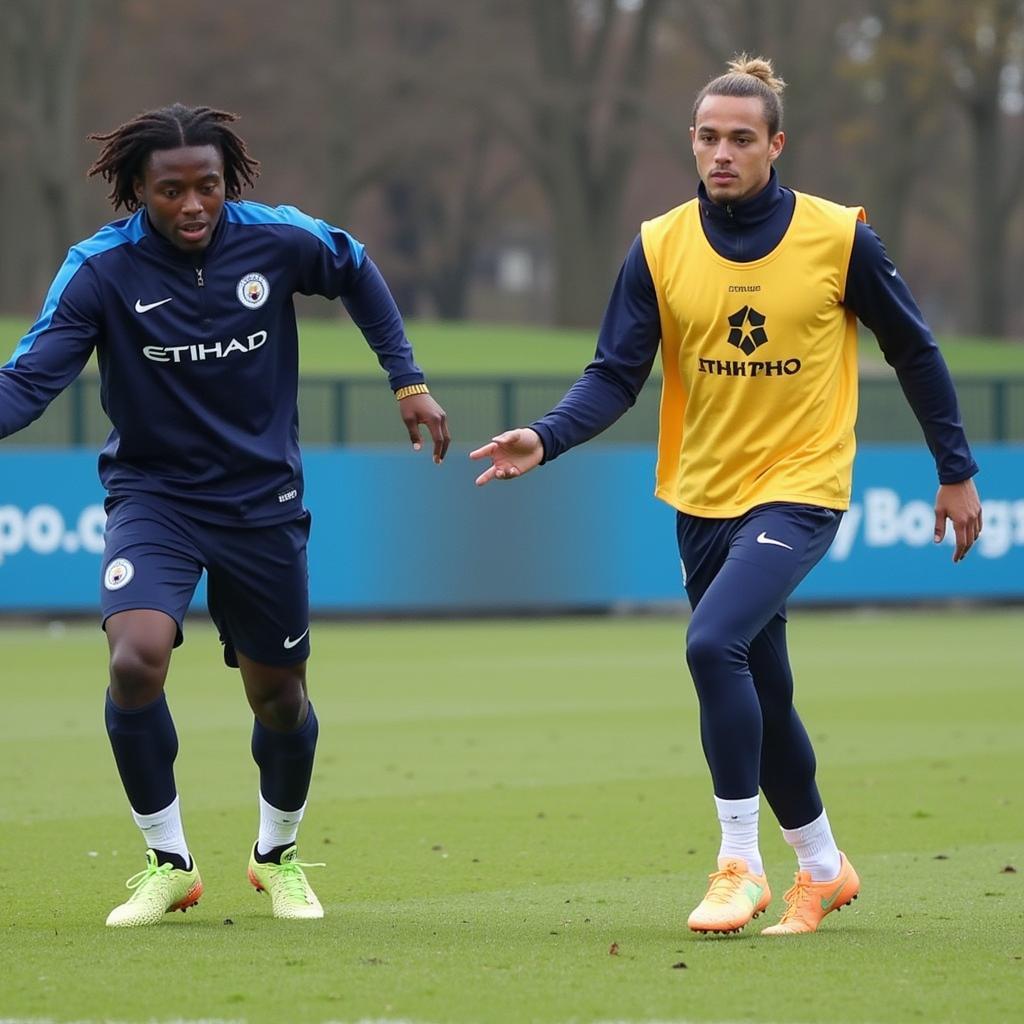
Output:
(940, 525)
(439, 433)
(973, 530)
(963, 541)
(484, 451)
(446, 439)
(505, 472)
(412, 425)
(486, 476)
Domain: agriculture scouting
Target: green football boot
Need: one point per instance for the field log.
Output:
(290, 894)
(159, 889)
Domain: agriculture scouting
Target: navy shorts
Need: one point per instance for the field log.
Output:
(257, 577)
(755, 560)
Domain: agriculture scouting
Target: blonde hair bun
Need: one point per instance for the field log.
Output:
(758, 67)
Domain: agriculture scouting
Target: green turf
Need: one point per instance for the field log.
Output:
(966, 357)
(500, 802)
(466, 349)
(335, 347)
(453, 349)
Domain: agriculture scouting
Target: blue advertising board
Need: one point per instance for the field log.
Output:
(393, 533)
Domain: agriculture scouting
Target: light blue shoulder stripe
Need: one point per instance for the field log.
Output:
(120, 232)
(246, 212)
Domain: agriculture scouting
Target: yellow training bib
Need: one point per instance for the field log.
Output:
(759, 397)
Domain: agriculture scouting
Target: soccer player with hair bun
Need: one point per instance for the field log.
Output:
(188, 305)
(752, 291)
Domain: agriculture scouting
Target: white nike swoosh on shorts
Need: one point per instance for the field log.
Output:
(289, 643)
(763, 538)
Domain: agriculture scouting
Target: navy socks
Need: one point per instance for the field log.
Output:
(145, 746)
(285, 761)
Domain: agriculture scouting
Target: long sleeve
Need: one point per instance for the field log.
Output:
(56, 348)
(880, 298)
(373, 310)
(627, 346)
(335, 265)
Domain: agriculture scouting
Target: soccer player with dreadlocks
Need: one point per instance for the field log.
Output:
(188, 304)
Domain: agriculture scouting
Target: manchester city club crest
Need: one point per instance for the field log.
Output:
(118, 574)
(253, 290)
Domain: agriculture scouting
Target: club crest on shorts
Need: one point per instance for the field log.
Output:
(253, 290)
(118, 574)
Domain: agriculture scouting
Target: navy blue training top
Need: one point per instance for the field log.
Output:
(198, 354)
(630, 333)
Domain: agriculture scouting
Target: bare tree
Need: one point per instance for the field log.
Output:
(984, 41)
(437, 130)
(457, 199)
(575, 116)
(429, 155)
(41, 54)
(362, 136)
(893, 57)
(45, 49)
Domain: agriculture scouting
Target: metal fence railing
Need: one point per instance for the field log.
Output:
(356, 411)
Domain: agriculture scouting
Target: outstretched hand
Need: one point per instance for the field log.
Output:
(512, 454)
(422, 409)
(960, 504)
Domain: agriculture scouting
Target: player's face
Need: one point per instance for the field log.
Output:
(732, 146)
(183, 192)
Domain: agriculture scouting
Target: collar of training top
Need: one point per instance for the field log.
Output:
(168, 250)
(748, 213)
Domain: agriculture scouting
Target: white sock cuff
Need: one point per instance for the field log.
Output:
(813, 830)
(163, 830)
(157, 817)
(732, 810)
(272, 813)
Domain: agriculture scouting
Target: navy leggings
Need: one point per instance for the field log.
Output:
(739, 573)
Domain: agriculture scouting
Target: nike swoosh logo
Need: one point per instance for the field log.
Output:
(763, 538)
(289, 643)
(141, 307)
(753, 892)
(826, 904)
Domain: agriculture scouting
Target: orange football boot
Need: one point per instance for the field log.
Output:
(734, 897)
(809, 901)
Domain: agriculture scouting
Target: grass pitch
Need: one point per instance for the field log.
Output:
(498, 803)
(334, 347)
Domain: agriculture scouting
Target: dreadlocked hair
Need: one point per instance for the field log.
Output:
(748, 76)
(126, 149)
